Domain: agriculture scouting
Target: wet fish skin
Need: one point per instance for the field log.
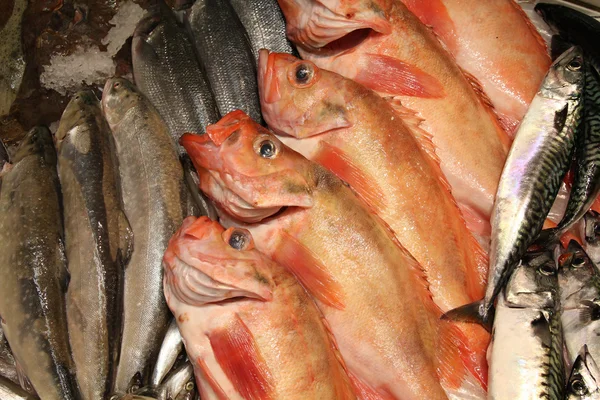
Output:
(169, 350)
(154, 196)
(590, 234)
(223, 50)
(11, 391)
(527, 321)
(33, 268)
(96, 232)
(8, 369)
(176, 382)
(264, 24)
(584, 378)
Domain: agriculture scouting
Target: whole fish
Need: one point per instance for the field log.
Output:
(8, 368)
(357, 272)
(509, 64)
(98, 242)
(223, 50)
(153, 199)
(169, 350)
(590, 235)
(245, 320)
(583, 382)
(411, 66)
(11, 391)
(264, 24)
(526, 352)
(360, 139)
(537, 163)
(189, 390)
(579, 282)
(33, 268)
(176, 381)
(167, 73)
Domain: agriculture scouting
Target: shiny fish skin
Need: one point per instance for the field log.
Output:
(169, 350)
(264, 24)
(153, 196)
(584, 379)
(167, 73)
(10, 391)
(223, 49)
(176, 382)
(8, 369)
(95, 227)
(32, 308)
(527, 322)
(590, 234)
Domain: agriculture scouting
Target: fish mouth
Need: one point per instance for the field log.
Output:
(268, 85)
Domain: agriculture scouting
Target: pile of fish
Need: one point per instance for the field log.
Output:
(301, 199)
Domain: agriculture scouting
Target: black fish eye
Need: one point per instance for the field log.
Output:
(238, 240)
(189, 386)
(578, 262)
(574, 65)
(302, 73)
(267, 149)
(117, 85)
(546, 269)
(578, 387)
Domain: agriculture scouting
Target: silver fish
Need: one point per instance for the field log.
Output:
(589, 231)
(584, 379)
(11, 391)
(177, 382)
(223, 49)
(33, 268)
(154, 202)
(98, 242)
(170, 349)
(526, 351)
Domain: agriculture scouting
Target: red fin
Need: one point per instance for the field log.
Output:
(236, 352)
(508, 124)
(220, 131)
(476, 359)
(212, 382)
(389, 75)
(596, 205)
(309, 270)
(452, 354)
(433, 13)
(476, 223)
(335, 160)
(365, 392)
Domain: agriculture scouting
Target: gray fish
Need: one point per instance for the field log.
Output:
(172, 346)
(525, 355)
(176, 382)
(3, 155)
(265, 25)
(11, 391)
(590, 233)
(154, 202)
(98, 242)
(223, 49)
(537, 162)
(584, 379)
(33, 268)
(8, 367)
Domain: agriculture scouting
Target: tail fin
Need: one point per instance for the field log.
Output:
(474, 313)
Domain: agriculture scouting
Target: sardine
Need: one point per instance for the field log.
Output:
(154, 198)
(584, 381)
(170, 349)
(189, 390)
(11, 391)
(223, 50)
(98, 242)
(33, 268)
(175, 383)
(526, 351)
(537, 163)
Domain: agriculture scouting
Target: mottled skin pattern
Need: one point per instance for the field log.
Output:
(95, 229)
(153, 192)
(34, 274)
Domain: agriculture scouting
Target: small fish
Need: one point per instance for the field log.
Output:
(526, 352)
(584, 381)
(175, 383)
(536, 165)
(245, 320)
(169, 350)
(590, 235)
(11, 391)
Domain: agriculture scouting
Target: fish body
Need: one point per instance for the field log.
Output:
(153, 194)
(8, 368)
(34, 274)
(176, 382)
(527, 321)
(244, 320)
(508, 63)
(11, 391)
(94, 223)
(242, 169)
(589, 231)
(583, 381)
(4, 159)
(264, 24)
(224, 52)
(410, 65)
(169, 350)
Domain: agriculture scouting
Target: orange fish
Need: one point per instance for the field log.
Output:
(250, 330)
(370, 290)
(411, 65)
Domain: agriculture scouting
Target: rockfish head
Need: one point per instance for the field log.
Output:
(246, 170)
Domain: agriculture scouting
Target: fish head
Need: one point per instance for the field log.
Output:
(585, 377)
(578, 277)
(75, 114)
(534, 282)
(206, 263)
(298, 98)
(313, 24)
(118, 97)
(38, 142)
(565, 76)
(246, 170)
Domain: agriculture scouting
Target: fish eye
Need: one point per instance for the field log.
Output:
(189, 386)
(238, 240)
(578, 387)
(578, 261)
(302, 73)
(267, 149)
(546, 270)
(575, 65)
(116, 85)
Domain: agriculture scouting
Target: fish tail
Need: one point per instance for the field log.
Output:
(475, 312)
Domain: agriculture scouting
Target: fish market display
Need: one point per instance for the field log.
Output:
(264, 24)
(583, 381)
(153, 193)
(34, 274)
(412, 66)
(224, 52)
(10, 391)
(526, 350)
(509, 63)
(538, 161)
(358, 274)
(249, 327)
(170, 349)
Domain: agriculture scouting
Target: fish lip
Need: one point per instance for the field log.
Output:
(268, 92)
